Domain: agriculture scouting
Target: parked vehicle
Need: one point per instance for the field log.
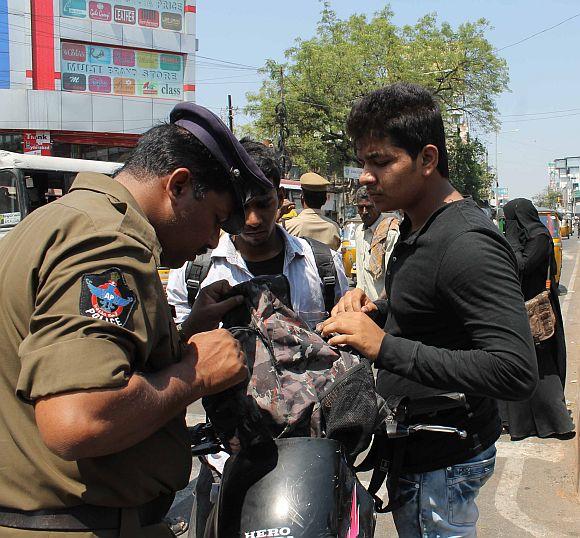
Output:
(566, 227)
(348, 247)
(28, 182)
(551, 219)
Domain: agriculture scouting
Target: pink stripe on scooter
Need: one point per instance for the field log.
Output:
(354, 527)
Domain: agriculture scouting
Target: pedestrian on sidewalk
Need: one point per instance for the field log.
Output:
(310, 222)
(545, 414)
(375, 239)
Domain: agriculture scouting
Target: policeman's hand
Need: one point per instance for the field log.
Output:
(357, 330)
(217, 359)
(354, 301)
(209, 308)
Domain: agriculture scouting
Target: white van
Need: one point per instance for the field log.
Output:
(30, 181)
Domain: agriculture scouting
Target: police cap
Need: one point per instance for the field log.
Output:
(313, 182)
(246, 177)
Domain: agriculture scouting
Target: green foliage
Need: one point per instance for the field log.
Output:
(324, 75)
(547, 198)
(468, 170)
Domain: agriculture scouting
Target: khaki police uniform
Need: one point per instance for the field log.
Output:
(82, 308)
(310, 222)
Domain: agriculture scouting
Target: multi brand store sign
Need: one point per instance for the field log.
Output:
(164, 14)
(116, 71)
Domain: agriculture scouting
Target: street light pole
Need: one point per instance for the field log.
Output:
(496, 176)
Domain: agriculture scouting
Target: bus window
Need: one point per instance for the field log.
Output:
(9, 203)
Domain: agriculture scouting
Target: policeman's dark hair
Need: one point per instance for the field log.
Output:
(265, 158)
(362, 194)
(314, 199)
(167, 147)
(405, 113)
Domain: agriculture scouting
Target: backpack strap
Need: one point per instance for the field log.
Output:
(195, 273)
(326, 270)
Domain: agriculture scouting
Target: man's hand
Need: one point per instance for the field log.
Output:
(209, 308)
(354, 301)
(286, 207)
(217, 359)
(357, 330)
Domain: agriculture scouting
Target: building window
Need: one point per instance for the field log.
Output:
(90, 152)
(11, 142)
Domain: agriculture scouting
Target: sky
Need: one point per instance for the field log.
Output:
(540, 115)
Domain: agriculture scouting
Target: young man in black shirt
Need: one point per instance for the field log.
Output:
(454, 318)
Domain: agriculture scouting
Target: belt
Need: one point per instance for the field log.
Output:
(84, 517)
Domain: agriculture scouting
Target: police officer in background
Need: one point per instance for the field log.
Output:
(94, 379)
(310, 222)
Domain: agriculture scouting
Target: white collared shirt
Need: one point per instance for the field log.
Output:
(299, 267)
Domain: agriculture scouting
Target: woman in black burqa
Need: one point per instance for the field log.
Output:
(545, 414)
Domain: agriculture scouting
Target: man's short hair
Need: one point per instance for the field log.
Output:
(265, 158)
(167, 147)
(362, 194)
(405, 113)
(314, 199)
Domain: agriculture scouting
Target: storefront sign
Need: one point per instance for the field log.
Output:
(36, 142)
(116, 71)
(352, 172)
(125, 14)
(166, 14)
(100, 11)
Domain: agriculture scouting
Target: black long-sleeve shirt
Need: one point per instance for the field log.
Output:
(455, 321)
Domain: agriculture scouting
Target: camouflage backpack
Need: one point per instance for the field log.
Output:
(299, 385)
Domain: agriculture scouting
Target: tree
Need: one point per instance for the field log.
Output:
(547, 198)
(468, 170)
(324, 75)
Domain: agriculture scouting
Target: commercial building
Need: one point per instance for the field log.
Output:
(83, 78)
(567, 179)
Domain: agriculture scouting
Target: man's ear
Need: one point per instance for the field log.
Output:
(178, 184)
(281, 196)
(429, 159)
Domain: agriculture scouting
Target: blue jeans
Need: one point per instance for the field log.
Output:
(442, 502)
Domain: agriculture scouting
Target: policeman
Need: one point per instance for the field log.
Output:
(94, 379)
(310, 222)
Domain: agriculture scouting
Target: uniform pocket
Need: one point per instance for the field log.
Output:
(463, 484)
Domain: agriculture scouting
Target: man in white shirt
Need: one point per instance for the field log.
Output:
(375, 239)
(263, 248)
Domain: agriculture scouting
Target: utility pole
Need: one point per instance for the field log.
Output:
(496, 176)
(230, 113)
(281, 118)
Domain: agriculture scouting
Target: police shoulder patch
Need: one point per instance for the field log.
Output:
(107, 297)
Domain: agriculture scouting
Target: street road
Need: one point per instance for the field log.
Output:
(532, 492)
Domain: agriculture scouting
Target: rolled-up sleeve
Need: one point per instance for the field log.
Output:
(69, 347)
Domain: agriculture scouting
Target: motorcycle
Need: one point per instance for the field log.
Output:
(306, 487)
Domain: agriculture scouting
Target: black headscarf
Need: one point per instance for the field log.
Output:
(522, 222)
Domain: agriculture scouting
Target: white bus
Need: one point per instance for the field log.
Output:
(30, 181)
